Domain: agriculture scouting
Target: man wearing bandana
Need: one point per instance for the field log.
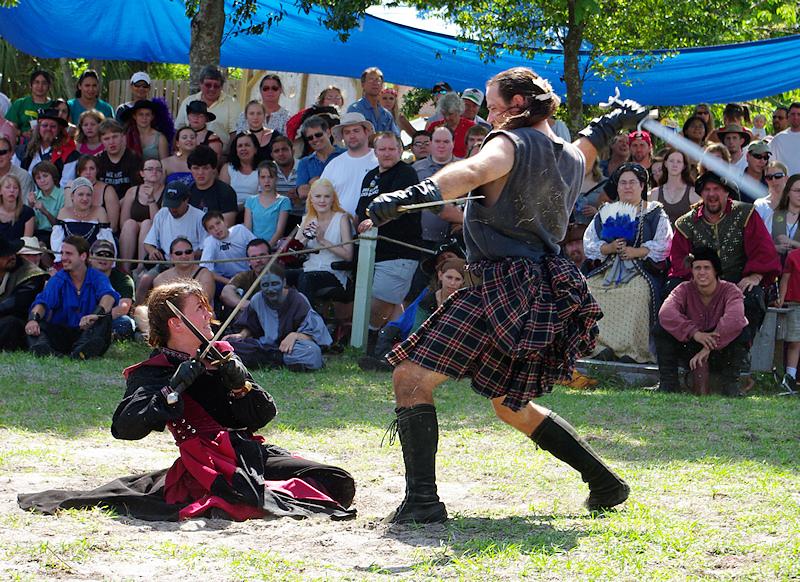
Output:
(279, 328)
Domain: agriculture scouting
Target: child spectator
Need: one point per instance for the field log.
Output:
(224, 243)
(47, 200)
(266, 214)
(759, 127)
(88, 139)
(198, 117)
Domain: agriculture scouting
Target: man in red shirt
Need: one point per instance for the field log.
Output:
(702, 322)
(452, 109)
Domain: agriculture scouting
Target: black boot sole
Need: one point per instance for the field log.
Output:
(609, 501)
(421, 513)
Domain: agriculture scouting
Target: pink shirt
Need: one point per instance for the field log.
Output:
(684, 313)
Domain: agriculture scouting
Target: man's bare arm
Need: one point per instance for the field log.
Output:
(494, 161)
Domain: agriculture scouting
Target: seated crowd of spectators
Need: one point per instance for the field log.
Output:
(683, 261)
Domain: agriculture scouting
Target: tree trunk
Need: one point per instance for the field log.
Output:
(572, 74)
(204, 47)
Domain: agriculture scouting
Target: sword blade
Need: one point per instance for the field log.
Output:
(423, 205)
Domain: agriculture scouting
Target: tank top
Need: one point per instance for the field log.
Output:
(531, 214)
(140, 212)
(151, 150)
(322, 260)
(245, 185)
(675, 211)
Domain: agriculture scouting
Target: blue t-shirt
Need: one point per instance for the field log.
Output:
(265, 220)
(311, 166)
(63, 303)
(381, 119)
(75, 109)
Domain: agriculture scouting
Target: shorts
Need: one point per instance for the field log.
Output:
(792, 332)
(393, 279)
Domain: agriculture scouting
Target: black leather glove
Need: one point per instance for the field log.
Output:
(186, 374)
(233, 373)
(386, 206)
(626, 115)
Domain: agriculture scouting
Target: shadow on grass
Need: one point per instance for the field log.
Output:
(72, 398)
(480, 538)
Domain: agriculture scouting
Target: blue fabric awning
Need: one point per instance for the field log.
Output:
(158, 31)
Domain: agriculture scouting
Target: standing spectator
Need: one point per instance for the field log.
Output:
(47, 200)
(620, 153)
(316, 131)
(390, 102)
(225, 108)
(276, 116)
(22, 281)
(347, 171)
(280, 328)
(757, 156)
(287, 179)
(117, 166)
(780, 119)
(139, 209)
(240, 171)
(438, 90)
(789, 296)
(451, 106)
(696, 130)
(702, 323)
(436, 227)
(88, 139)
(81, 218)
(421, 145)
(785, 231)
(641, 147)
(786, 144)
(50, 142)
(224, 243)
(16, 219)
(369, 105)
(104, 195)
(776, 176)
(675, 189)
(759, 123)
(175, 168)
(87, 93)
(198, 116)
(473, 99)
(6, 167)
(735, 138)
(72, 314)
(140, 90)
(703, 111)
(394, 265)
(25, 109)
(143, 138)
(103, 255)
(330, 97)
(266, 215)
(208, 192)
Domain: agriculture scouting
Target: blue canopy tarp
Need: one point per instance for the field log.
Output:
(158, 31)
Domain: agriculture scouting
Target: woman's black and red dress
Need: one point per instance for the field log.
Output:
(224, 469)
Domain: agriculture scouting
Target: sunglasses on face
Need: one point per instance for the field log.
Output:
(762, 157)
(317, 135)
(212, 85)
(775, 176)
(441, 92)
(105, 255)
(4, 152)
(182, 253)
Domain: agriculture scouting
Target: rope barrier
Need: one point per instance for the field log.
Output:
(355, 241)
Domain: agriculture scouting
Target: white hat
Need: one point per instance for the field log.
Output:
(352, 118)
(140, 76)
(474, 95)
(28, 242)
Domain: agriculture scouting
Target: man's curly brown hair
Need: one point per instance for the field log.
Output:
(158, 313)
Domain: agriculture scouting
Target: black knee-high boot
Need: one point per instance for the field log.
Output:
(556, 436)
(419, 436)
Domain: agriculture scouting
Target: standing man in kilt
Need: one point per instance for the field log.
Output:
(530, 315)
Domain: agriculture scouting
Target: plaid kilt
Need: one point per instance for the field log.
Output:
(514, 335)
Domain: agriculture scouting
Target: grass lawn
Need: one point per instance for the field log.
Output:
(716, 486)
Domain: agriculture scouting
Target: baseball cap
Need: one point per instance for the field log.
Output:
(174, 194)
(759, 148)
(102, 246)
(643, 135)
(474, 95)
(140, 76)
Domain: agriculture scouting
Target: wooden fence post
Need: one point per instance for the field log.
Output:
(363, 296)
